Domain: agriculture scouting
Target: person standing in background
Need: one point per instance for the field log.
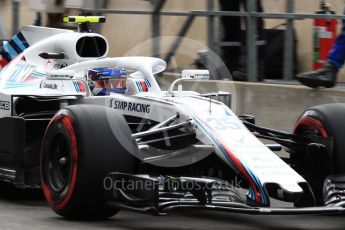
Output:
(326, 76)
(232, 55)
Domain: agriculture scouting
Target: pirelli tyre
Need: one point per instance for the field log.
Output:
(79, 149)
(326, 155)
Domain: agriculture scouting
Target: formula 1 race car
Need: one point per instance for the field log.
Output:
(98, 135)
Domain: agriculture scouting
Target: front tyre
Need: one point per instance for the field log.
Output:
(79, 150)
(327, 122)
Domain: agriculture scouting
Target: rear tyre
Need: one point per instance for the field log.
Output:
(327, 121)
(79, 150)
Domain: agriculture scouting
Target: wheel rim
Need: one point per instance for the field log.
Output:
(311, 126)
(310, 131)
(59, 164)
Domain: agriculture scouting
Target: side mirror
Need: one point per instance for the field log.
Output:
(196, 74)
(190, 74)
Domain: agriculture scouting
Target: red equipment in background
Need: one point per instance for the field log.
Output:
(325, 34)
(3, 62)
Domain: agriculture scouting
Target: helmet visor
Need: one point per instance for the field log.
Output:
(112, 84)
(110, 79)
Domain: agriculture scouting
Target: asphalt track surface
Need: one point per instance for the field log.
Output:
(27, 209)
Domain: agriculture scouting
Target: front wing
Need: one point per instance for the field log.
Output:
(159, 195)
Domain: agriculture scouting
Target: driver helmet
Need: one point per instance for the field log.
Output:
(104, 81)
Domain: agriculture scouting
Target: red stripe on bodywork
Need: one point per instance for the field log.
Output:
(240, 167)
(143, 85)
(81, 86)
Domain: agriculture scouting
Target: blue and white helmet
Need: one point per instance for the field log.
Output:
(103, 81)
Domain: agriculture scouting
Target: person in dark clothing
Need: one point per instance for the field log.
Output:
(232, 55)
(326, 76)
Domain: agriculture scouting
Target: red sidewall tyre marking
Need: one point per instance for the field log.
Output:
(311, 122)
(68, 125)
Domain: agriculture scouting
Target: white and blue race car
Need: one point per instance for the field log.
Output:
(98, 135)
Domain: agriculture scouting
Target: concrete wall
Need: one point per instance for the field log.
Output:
(125, 32)
(279, 106)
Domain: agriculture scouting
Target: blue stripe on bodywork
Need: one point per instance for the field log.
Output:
(19, 84)
(148, 84)
(18, 42)
(8, 48)
(37, 74)
(264, 198)
(13, 76)
(23, 40)
(139, 86)
(76, 86)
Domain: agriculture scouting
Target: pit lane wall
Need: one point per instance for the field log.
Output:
(279, 106)
(274, 105)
